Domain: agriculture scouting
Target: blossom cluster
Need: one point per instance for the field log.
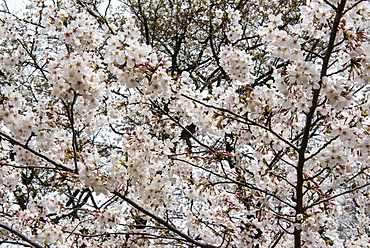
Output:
(236, 63)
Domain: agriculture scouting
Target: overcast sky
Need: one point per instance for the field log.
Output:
(15, 5)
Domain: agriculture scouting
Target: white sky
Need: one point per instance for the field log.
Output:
(14, 5)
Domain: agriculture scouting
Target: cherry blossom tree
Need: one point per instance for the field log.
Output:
(185, 124)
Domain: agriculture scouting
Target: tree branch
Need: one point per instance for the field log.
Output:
(163, 222)
(23, 237)
(242, 118)
(336, 196)
(13, 141)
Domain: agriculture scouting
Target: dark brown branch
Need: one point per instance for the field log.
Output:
(97, 15)
(70, 114)
(182, 126)
(15, 243)
(309, 121)
(13, 141)
(337, 195)
(22, 236)
(241, 119)
(33, 57)
(28, 166)
(330, 4)
(322, 148)
(146, 235)
(163, 222)
(243, 184)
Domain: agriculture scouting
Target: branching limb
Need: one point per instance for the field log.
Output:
(182, 126)
(14, 243)
(33, 57)
(28, 166)
(70, 114)
(163, 222)
(242, 119)
(95, 13)
(242, 184)
(337, 195)
(322, 148)
(57, 165)
(22, 236)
